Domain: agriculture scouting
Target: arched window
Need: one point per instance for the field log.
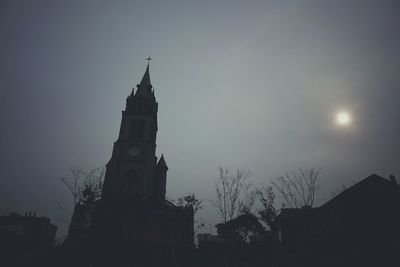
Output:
(130, 185)
(136, 129)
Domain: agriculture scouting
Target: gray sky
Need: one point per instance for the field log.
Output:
(243, 84)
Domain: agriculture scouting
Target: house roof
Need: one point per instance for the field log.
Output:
(295, 213)
(372, 184)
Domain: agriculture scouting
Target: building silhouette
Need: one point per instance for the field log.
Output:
(21, 235)
(132, 215)
(133, 170)
(358, 227)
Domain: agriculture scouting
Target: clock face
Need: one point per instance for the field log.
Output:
(134, 151)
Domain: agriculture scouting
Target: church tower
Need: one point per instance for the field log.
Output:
(133, 171)
(133, 211)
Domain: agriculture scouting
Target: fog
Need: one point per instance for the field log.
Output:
(240, 84)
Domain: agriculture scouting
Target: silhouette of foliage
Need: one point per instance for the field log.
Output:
(189, 201)
(241, 228)
(268, 213)
(84, 186)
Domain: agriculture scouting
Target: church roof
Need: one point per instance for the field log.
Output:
(161, 162)
(144, 87)
(142, 101)
(146, 78)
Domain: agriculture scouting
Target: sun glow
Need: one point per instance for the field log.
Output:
(343, 118)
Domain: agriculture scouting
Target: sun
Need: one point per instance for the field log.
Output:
(343, 118)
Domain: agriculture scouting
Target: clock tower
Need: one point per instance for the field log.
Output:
(132, 215)
(133, 170)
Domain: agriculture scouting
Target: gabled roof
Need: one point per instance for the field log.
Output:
(372, 184)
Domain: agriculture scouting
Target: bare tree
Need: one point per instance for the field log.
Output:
(234, 193)
(84, 186)
(298, 189)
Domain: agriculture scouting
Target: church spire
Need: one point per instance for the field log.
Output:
(143, 100)
(145, 82)
(144, 87)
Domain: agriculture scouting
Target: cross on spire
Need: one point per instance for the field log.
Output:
(148, 60)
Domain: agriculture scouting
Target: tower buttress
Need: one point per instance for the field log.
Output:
(161, 179)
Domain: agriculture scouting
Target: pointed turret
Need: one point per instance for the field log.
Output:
(161, 163)
(161, 179)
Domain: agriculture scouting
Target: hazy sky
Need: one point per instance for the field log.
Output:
(242, 84)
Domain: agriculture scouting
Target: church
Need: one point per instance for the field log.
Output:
(133, 170)
(133, 211)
